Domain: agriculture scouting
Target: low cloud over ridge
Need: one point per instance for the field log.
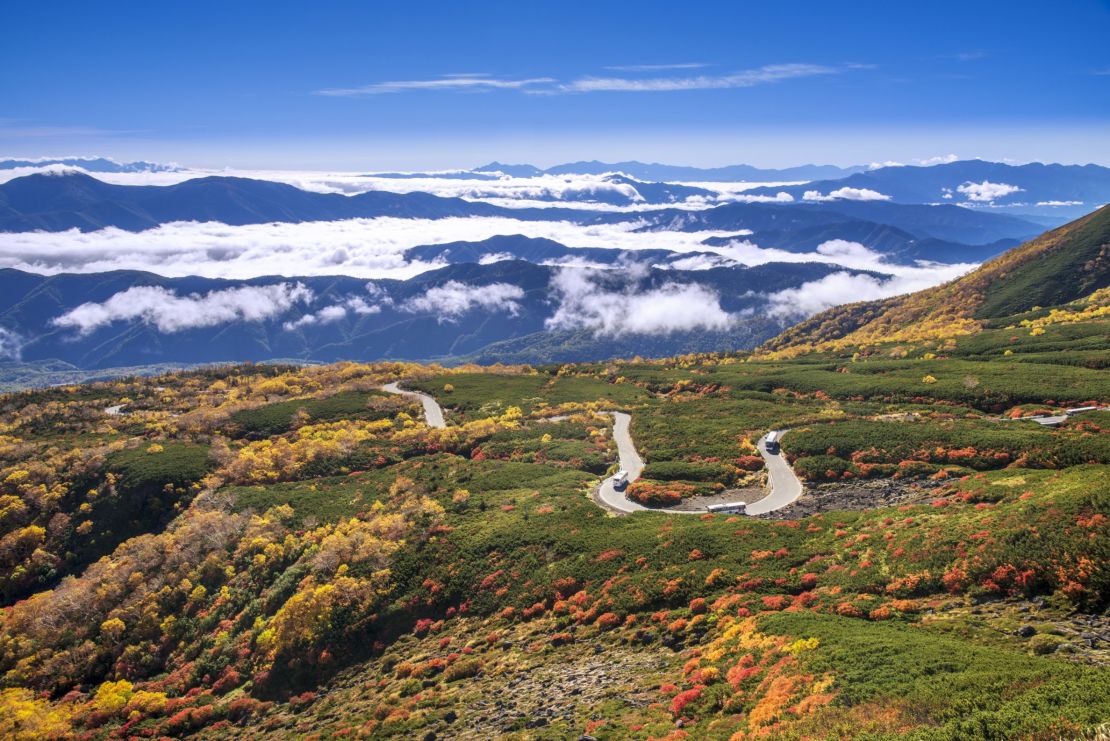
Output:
(169, 313)
(846, 194)
(454, 298)
(986, 191)
(588, 301)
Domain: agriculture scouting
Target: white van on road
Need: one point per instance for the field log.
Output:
(620, 479)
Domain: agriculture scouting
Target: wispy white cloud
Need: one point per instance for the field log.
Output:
(454, 298)
(746, 78)
(477, 82)
(655, 67)
(334, 313)
(986, 191)
(474, 83)
(168, 312)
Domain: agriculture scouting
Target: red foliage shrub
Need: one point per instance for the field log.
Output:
(607, 620)
(775, 601)
(750, 462)
(847, 609)
(684, 698)
(228, 681)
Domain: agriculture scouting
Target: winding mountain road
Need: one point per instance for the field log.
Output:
(785, 485)
(630, 461)
(433, 412)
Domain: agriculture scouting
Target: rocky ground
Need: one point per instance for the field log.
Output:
(536, 682)
(823, 497)
(1034, 625)
(852, 496)
(538, 696)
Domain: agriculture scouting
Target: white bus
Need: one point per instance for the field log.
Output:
(730, 508)
(773, 441)
(620, 479)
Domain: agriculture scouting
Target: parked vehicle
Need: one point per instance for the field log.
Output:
(736, 508)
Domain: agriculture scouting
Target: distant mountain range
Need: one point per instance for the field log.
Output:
(540, 251)
(943, 222)
(125, 318)
(57, 202)
(1061, 266)
(1063, 190)
(676, 173)
(91, 164)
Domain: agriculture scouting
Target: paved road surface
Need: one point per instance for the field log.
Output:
(785, 486)
(433, 413)
(1055, 419)
(630, 461)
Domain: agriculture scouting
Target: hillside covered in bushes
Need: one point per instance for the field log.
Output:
(289, 552)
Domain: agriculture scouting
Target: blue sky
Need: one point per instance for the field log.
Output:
(454, 84)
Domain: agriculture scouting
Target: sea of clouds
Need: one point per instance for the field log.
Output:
(583, 294)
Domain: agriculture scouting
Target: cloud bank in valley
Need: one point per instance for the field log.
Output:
(169, 312)
(361, 248)
(11, 344)
(793, 304)
(450, 301)
(330, 314)
(587, 299)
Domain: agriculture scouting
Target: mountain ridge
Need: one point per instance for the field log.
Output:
(1065, 190)
(680, 173)
(1063, 265)
(123, 318)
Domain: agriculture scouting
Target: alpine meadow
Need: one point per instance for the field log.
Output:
(723, 401)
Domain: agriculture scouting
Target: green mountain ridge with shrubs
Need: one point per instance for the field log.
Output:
(1068, 265)
(311, 560)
